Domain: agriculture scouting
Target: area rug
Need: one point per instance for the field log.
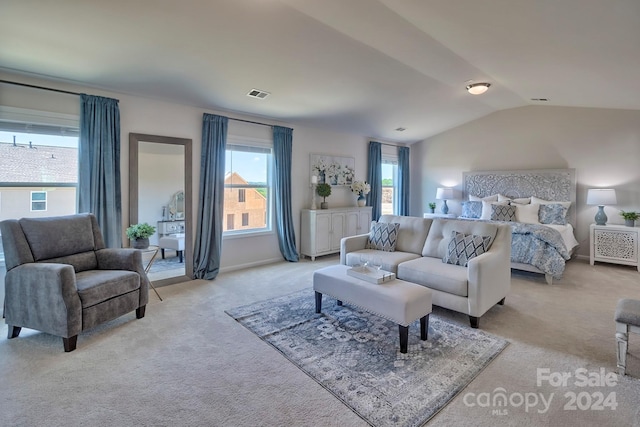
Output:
(356, 356)
(169, 263)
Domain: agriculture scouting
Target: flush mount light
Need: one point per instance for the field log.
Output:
(478, 88)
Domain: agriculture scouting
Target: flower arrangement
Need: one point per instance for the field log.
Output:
(361, 188)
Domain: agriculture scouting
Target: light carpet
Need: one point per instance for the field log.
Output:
(356, 356)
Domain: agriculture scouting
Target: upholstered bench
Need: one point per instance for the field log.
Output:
(399, 301)
(174, 242)
(627, 320)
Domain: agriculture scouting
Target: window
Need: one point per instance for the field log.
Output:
(38, 201)
(230, 218)
(247, 185)
(389, 189)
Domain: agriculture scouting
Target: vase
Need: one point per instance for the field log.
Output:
(362, 201)
(140, 243)
(324, 205)
(630, 222)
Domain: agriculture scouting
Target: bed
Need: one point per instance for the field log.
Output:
(523, 198)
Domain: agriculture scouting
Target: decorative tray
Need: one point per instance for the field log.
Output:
(370, 275)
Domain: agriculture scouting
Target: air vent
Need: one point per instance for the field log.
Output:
(540, 99)
(401, 129)
(258, 94)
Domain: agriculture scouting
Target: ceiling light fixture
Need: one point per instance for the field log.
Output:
(478, 88)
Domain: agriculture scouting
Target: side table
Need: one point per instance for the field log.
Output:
(614, 243)
(153, 251)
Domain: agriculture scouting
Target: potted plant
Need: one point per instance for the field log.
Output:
(629, 218)
(139, 235)
(432, 207)
(324, 191)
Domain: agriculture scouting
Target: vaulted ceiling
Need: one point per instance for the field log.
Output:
(359, 66)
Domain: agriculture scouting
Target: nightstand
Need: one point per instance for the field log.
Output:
(438, 215)
(614, 243)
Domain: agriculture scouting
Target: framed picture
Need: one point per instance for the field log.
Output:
(333, 170)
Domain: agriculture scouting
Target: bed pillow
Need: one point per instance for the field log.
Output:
(383, 236)
(553, 213)
(519, 200)
(471, 209)
(527, 214)
(503, 212)
(493, 198)
(486, 208)
(534, 199)
(463, 247)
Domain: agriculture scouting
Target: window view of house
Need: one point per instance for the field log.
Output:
(247, 189)
(389, 193)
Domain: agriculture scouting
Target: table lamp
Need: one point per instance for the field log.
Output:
(444, 194)
(601, 197)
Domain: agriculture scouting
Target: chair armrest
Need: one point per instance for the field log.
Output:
(125, 259)
(352, 244)
(489, 274)
(43, 296)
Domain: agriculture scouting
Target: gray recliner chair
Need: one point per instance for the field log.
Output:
(62, 280)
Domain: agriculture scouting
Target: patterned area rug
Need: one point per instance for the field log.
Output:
(169, 263)
(356, 356)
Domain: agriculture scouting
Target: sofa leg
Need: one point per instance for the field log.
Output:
(70, 343)
(13, 332)
(501, 302)
(475, 322)
(404, 338)
(140, 312)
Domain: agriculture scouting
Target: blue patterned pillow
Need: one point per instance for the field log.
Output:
(472, 209)
(463, 247)
(503, 213)
(383, 236)
(553, 213)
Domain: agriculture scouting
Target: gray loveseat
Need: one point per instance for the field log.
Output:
(62, 280)
(422, 243)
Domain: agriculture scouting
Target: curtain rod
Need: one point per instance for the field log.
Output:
(40, 87)
(252, 122)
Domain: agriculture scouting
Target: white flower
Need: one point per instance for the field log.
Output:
(361, 188)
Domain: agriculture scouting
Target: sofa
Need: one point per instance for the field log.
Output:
(62, 280)
(465, 264)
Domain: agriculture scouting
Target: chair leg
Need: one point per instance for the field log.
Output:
(180, 256)
(404, 338)
(622, 337)
(424, 327)
(474, 321)
(70, 343)
(13, 331)
(140, 312)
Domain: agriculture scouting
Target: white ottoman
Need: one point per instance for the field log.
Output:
(174, 242)
(399, 301)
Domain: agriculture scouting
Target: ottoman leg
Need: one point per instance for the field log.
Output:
(404, 338)
(180, 255)
(162, 252)
(318, 302)
(339, 302)
(424, 327)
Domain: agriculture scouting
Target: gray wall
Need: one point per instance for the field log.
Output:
(603, 145)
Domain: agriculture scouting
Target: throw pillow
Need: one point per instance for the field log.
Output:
(471, 209)
(553, 213)
(463, 247)
(503, 212)
(383, 236)
(486, 208)
(527, 214)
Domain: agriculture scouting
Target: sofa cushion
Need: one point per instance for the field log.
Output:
(389, 260)
(503, 213)
(56, 237)
(437, 242)
(383, 236)
(96, 286)
(80, 262)
(463, 247)
(434, 274)
(412, 232)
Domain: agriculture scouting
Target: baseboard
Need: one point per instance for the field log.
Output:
(249, 265)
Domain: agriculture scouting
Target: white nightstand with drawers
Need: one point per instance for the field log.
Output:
(614, 243)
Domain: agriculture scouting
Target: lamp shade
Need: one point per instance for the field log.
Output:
(601, 196)
(444, 193)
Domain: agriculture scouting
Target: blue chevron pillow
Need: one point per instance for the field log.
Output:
(463, 247)
(383, 236)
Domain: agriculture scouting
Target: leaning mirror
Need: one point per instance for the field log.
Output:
(160, 194)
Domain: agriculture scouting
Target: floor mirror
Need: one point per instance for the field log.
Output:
(160, 189)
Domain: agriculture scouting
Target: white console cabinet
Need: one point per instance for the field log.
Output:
(614, 243)
(322, 229)
(170, 227)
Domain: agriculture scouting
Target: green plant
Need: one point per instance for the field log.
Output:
(323, 190)
(140, 231)
(432, 205)
(630, 215)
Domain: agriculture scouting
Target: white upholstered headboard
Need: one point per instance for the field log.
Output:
(548, 184)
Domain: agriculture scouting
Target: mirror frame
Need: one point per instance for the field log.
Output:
(134, 140)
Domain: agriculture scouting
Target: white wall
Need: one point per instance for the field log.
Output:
(149, 116)
(603, 145)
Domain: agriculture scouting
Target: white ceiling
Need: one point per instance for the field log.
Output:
(358, 66)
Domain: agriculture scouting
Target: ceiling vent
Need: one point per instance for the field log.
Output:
(401, 129)
(258, 94)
